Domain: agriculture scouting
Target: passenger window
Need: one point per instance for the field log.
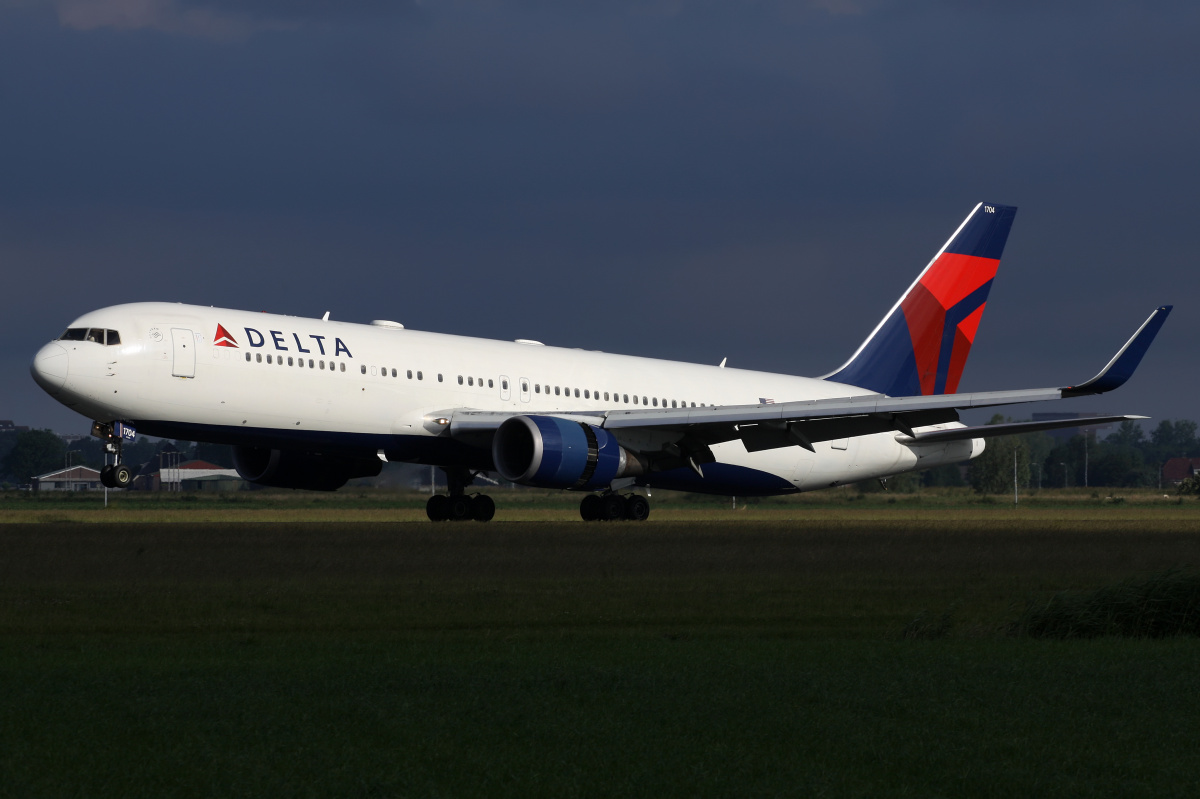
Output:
(606, 396)
(341, 367)
(556, 390)
(73, 334)
(439, 377)
(524, 388)
(504, 385)
(258, 357)
(470, 381)
(635, 402)
(490, 383)
(656, 402)
(480, 380)
(393, 373)
(626, 399)
(410, 374)
(269, 359)
(247, 357)
(112, 338)
(537, 388)
(420, 375)
(362, 368)
(322, 366)
(643, 400)
(460, 380)
(292, 363)
(310, 363)
(576, 393)
(586, 394)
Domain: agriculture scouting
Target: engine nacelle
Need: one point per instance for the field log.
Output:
(294, 469)
(550, 452)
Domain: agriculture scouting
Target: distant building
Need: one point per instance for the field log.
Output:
(6, 426)
(1064, 433)
(1176, 470)
(75, 478)
(190, 476)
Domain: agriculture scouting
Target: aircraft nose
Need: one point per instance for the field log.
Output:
(49, 368)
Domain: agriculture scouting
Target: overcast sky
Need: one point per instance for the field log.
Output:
(690, 180)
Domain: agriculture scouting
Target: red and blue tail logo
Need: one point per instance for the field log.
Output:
(921, 346)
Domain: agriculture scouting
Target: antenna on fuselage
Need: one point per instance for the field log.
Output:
(722, 364)
(325, 318)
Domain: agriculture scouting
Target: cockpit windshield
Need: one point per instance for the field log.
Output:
(98, 335)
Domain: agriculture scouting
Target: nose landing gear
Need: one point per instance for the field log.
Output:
(459, 506)
(116, 474)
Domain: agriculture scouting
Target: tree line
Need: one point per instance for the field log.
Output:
(1126, 458)
(28, 453)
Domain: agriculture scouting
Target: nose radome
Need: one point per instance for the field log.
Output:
(49, 368)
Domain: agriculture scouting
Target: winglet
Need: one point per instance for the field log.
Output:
(1121, 367)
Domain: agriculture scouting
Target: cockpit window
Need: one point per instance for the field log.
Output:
(97, 335)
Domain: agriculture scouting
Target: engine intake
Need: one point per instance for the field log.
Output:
(313, 471)
(550, 452)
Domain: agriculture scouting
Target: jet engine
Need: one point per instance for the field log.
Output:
(550, 452)
(314, 471)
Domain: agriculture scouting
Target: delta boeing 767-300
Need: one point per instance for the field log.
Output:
(311, 403)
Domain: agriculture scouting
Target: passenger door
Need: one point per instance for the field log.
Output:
(183, 345)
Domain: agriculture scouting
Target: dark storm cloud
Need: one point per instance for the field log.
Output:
(693, 180)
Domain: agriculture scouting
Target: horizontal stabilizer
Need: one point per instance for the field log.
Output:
(1012, 428)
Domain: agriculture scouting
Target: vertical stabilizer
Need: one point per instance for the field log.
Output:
(921, 346)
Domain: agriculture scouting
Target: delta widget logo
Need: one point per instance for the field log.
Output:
(222, 338)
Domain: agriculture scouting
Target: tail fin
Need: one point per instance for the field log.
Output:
(921, 346)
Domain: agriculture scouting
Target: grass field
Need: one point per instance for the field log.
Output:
(716, 653)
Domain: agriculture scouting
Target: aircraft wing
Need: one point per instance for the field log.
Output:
(805, 422)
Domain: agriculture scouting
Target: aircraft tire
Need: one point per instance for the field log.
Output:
(122, 476)
(106, 476)
(482, 508)
(612, 508)
(589, 508)
(438, 508)
(460, 508)
(637, 508)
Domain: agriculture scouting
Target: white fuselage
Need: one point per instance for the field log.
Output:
(291, 381)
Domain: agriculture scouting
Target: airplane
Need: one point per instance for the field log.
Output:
(311, 403)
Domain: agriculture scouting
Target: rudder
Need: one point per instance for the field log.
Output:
(921, 346)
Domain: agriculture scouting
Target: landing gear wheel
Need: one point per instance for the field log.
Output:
(106, 476)
(637, 508)
(460, 508)
(122, 476)
(438, 508)
(612, 508)
(482, 508)
(589, 507)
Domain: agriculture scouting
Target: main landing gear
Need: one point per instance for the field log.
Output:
(459, 506)
(610, 507)
(116, 474)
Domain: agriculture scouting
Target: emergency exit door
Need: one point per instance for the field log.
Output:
(183, 344)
